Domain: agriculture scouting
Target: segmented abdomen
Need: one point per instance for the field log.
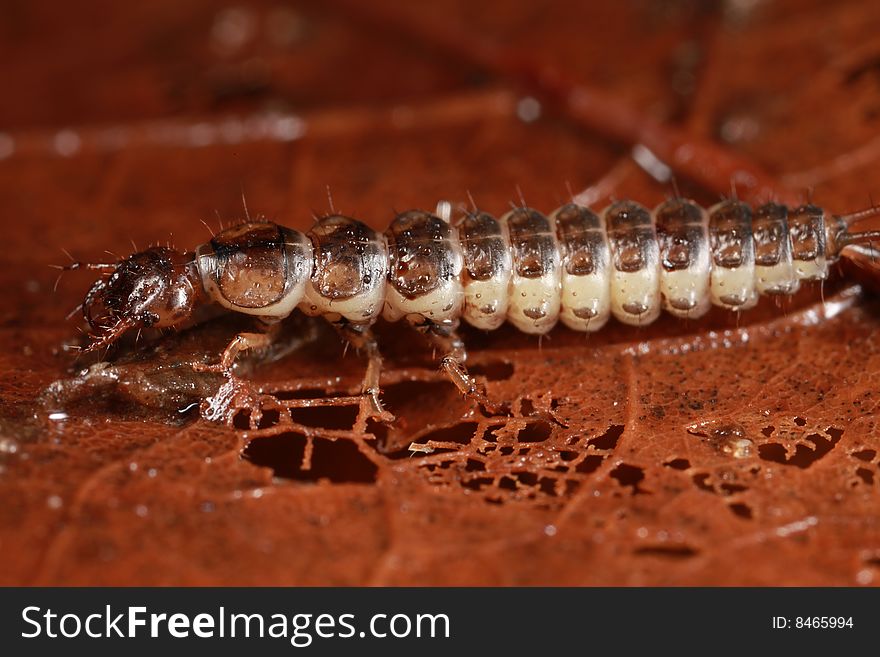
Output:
(573, 266)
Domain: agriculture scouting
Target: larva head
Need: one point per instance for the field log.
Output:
(157, 288)
(257, 268)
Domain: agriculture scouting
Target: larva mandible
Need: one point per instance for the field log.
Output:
(573, 266)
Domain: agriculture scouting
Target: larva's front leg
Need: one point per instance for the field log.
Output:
(241, 342)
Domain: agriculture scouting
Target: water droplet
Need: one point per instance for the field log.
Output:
(864, 577)
(725, 436)
(528, 109)
(67, 143)
(8, 446)
(7, 146)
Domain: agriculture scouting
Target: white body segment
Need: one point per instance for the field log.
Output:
(586, 300)
(811, 270)
(441, 305)
(685, 262)
(534, 302)
(635, 263)
(635, 296)
(486, 302)
(586, 282)
(535, 283)
(686, 291)
(734, 289)
(358, 309)
(781, 278)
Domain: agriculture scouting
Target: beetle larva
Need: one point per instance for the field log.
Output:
(574, 266)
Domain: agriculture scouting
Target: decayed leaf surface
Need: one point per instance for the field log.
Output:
(719, 451)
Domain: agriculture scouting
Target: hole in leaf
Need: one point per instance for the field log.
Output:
(630, 476)
(339, 461)
(866, 475)
(534, 432)
(667, 551)
(701, 479)
(493, 370)
(326, 417)
(590, 464)
(477, 483)
(866, 455)
(608, 440)
(742, 510)
(303, 393)
(803, 457)
(473, 465)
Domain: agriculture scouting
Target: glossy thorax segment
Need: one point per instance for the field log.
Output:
(349, 275)
(424, 270)
(257, 268)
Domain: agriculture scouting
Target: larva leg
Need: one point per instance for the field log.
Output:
(448, 342)
(362, 338)
(241, 342)
(237, 393)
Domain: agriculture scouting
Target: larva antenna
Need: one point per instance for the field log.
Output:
(840, 233)
(848, 220)
(73, 266)
(858, 238)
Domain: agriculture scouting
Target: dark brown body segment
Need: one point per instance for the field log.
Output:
(532, 243)
(680, 233)
(349, 257)
(483, 246)
(807, 229)
(730, 235)
(581, 240)
(421, 253)
(631, 236)
(770, 227)
(250, 264)
(255, 265)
